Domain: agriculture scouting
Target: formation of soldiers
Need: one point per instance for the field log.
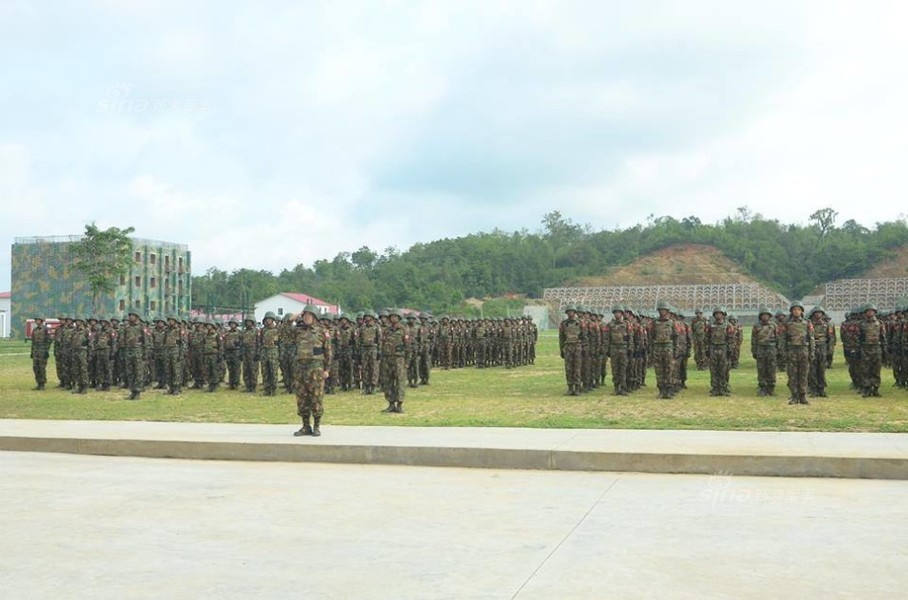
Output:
(800, 344)
(589, 344)
(386, 351)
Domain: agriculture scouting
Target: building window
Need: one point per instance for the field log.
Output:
(152, 282)
(138, 257)
(122, 305)
(166, 263)
(122, 279)
(280, 311)
(152, 258)
(138, 304)
(138, 281)
(153, 305)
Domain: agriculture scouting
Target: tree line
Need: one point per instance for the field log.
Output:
(789, 258)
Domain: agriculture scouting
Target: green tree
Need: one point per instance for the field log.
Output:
(103, 256)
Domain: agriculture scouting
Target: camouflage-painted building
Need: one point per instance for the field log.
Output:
(45, 283)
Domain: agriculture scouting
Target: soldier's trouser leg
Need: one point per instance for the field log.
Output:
(309, 380)
(871, 367)
(796, 366)
(573, 367)
(619, 371)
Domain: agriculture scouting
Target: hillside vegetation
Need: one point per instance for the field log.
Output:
(790, 258)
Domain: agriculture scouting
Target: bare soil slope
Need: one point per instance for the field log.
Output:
(893, 265)
(687, 264)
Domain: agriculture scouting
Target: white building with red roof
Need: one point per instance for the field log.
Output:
(5, 301)
(291, 302)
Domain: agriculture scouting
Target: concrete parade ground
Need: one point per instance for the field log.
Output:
(87, 513)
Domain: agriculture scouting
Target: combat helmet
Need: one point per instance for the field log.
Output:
(663, 305)
(720, 309)
(816, 309)
(310, 308)
(269, 315)
(764, 310)
(797, 303)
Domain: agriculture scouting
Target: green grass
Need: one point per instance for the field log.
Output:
(530, 396)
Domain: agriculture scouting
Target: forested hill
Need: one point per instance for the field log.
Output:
(792, 259)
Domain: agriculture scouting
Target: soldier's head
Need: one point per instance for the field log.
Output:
(39, 320)
(133, 317)
(817, 314)
(249, 322)
(796, 309)
(870, 310)
(309, 315)
(233, 324)
(765, 314)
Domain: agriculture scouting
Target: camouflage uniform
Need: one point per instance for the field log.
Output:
(764, 347)
(618, 344)
(313, 361)
(719, 336)
(40, 352)
(426, 344)
(823, 333)
(370, 337)
(78, 345)
(873, 347)
(850, 334)
(345, 335)
(445, 344)
(393, 365)
(173, 356)
(570, 340)
(105, 344)
(269, 336)
(250, 355)
(134, 355)
(60, 352)
(663, 347)
(233, 342)
(797, 345)
(212, 352)
(197, 354)
(698, 334)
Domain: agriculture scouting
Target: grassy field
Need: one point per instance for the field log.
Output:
(530, 396)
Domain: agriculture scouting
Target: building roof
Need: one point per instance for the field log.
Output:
(6, 294)
(305, 299)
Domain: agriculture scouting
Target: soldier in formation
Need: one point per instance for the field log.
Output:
(40, 352)
(764, 347)
(720, 336)
(395, 340)
(797, 345)
(570, 338)
(663, 340)
(313, 364)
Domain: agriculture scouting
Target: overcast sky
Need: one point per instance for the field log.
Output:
(284, 132)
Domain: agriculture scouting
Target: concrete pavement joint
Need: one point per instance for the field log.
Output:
(566, 537)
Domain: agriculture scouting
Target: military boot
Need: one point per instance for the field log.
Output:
(315, 432)
(390, 408)
(399, 407)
